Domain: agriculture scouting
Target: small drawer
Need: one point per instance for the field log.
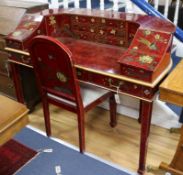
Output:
(125, 86)
(13, 44)
(117, 41)
(112, 23)
(82, 75)
(117, 85)
(20, 58)
(80, 27)
(136, 73)
(77, 19)
(148, 92)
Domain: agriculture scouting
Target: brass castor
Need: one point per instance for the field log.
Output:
(175, 130)
(156, 171)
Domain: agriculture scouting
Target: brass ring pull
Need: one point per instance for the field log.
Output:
(115, 86)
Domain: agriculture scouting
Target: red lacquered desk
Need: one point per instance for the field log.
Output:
(101, 68)
(127, 53)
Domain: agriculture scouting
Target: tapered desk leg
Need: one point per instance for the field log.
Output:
(145, 112)
(17, 82)
(113, 105)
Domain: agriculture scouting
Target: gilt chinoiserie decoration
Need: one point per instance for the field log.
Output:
(145, 47)
(61, 77)
(146, 58)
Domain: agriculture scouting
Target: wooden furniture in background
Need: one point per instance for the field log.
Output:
(13, 117)
(11, 13)
(171, 91)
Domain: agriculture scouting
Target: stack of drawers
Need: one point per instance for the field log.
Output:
(6, 83)
(11, 13)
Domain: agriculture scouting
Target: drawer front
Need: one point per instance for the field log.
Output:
(25, 59)
(117, 85)
(98, 29)
(7, 86)
(14, 44)
(136, 73)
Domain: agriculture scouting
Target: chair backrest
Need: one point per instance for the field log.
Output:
(54, 68)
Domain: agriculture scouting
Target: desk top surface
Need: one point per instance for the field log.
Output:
(103, 58)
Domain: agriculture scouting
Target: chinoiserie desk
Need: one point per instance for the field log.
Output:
(125, 53)
(13, 117)
(171, 90)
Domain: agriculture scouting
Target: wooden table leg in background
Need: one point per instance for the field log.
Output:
(145, 112)
(176, 166)
(171, 91)
(178, 130)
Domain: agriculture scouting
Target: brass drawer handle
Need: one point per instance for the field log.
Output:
(79, 73)
(10, 86)
(117, 86)
(25, 59)
(147, 92)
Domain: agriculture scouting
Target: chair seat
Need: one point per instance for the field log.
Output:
(89, 94)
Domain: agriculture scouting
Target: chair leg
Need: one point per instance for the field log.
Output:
(46, 116)
(113, 106)
(81, 131)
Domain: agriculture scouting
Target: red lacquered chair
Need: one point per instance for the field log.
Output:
(58, 84)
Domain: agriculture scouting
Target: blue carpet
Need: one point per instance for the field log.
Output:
(71, 161)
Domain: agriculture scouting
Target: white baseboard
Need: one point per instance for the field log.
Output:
(162, 115)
